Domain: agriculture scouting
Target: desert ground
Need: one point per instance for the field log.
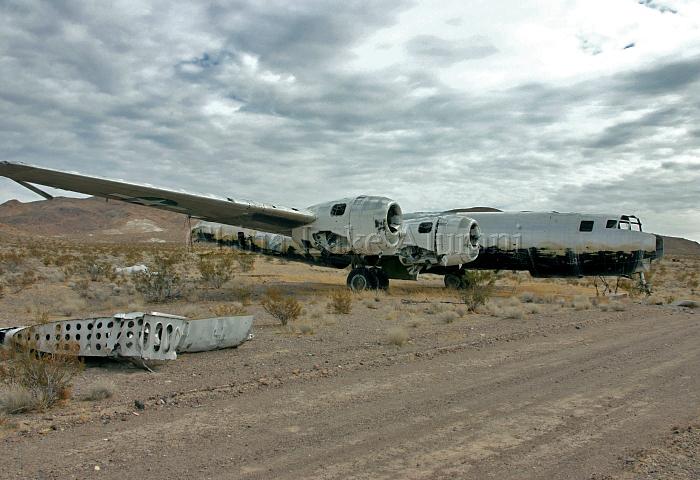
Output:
(546, 380)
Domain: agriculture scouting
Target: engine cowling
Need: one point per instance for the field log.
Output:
(440, 240)
(364, 225)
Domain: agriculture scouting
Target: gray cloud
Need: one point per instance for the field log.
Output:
(254, 100)
(656, 5)
(434, 49)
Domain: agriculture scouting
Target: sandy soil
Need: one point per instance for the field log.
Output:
(555, 391)
(566, 394)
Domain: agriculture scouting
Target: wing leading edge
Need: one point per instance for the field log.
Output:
(259, 216)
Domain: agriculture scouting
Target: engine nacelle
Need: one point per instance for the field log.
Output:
(363, 225)
(440, 240)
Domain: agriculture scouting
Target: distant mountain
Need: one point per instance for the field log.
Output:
(680, 246)
(91, 220)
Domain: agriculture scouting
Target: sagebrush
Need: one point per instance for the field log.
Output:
(478, 288)
(283, 308)
(45, 378)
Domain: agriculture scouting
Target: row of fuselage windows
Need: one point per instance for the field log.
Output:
(587, 225)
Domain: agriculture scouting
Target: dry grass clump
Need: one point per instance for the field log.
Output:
(532, 308)
(527, 297)
(512, 312)
(448, 317)
(397, 336)
(284, 309)
(340, 301)
(654, 300)
(246, 261)
(215, 269)
(100, 390)
(581, 303)
(434, 308)
(306, 329)
(160, 283)
(614, 306)
(16, 399)
(228, 309)
(40, 314)
(36, 381)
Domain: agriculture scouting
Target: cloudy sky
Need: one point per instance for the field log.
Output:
(572, 105)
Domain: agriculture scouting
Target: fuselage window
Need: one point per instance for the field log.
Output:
(611, 224)
(338, 210)
(425, 227)
(624, 225)
(586, 226)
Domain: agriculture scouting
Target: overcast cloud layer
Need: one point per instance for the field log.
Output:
(563, 105)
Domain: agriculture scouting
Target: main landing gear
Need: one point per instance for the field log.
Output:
(367, 278)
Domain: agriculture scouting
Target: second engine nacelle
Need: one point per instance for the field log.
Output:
(445, 240)
(364, 225)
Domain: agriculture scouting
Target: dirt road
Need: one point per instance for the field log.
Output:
(581, 401)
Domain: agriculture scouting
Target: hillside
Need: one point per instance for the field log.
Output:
(681, 246)
(91, 219)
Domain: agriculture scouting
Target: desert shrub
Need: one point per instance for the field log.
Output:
(527, 297)
(228, 309)
(434, 308)
(97, 270)
(397, 336)
(242, 294)
(23, 280)
(532, 308)
(654, 300)
(2, 290)
(47, 378)
(340, 301)
(283, 308)
(617, 306)
(100, 390)
(40, 314)
(448, 317)
(16, 399)
(479, 287)
(159, 284)
(515, 313)
(581, 303)
(215, 269)
(11, 261)
(82, 287)
(306, 329)
(246, 262)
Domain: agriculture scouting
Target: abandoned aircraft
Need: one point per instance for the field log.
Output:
(371, 233)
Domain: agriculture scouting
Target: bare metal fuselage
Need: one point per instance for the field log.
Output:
(546, 244)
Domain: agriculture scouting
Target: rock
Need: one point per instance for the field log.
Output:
(686, 303)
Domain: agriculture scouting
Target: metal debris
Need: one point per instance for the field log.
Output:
(135, 335)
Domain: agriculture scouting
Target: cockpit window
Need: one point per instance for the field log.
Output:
(611, 224)
(338, 210)
(586, 226)
(425, 227)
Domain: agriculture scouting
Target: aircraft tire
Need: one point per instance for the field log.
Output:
(361, 278)
(454, 282)
(382, 279)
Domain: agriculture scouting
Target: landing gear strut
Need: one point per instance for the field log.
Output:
(366, 278)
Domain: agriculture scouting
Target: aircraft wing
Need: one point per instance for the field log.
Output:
(243, 213)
